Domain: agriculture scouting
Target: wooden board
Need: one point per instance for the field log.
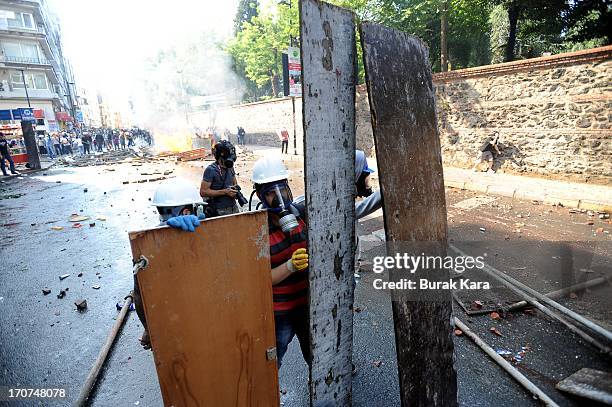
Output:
(208, 303)
(589, 383)
(407, 144)
(327, 35)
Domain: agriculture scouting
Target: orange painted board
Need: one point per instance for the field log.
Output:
(207, 299)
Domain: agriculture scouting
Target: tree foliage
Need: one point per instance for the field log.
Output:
(479, 31)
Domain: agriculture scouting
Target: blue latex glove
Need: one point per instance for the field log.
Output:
(186, 222)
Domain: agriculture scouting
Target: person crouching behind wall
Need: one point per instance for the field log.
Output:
(179, 206)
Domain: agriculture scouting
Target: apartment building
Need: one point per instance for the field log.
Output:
(33, 71)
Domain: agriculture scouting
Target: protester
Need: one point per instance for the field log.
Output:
(283, 135)
(488, 152)
(6, 155)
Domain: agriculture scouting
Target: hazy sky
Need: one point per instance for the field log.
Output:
(107, 41)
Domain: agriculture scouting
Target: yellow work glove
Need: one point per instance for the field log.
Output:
(299, 261)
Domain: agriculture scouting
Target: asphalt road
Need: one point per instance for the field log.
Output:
(45, 342)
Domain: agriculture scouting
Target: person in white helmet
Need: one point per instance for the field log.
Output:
(288, 254)
(180, 206)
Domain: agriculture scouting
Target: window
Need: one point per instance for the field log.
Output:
(21, 20)
(22, 52)
(36, 80)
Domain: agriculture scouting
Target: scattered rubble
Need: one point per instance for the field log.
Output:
(81, 305)
(62, 294)
(46, 291)
(63, 276)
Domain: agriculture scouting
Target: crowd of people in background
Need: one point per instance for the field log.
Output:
(90, 140)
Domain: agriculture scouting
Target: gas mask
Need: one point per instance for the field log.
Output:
(281, 202)
(363, 185)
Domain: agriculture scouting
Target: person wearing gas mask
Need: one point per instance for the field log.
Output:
(219, 181)
(288, 254)
(179, 206)
(373, 200)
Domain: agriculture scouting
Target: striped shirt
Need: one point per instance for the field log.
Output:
(292, 291)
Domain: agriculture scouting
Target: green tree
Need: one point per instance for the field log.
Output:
(588, 25)
(260, 43)
(247, 9)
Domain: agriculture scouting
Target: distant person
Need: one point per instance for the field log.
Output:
(241, 136)
(116, 141)
(56, 144)
(49, 146)
(5, 154)
(283, 135)
(87, 140)
(130, 138)
(122, 141)
(488, 152)
(99, 141)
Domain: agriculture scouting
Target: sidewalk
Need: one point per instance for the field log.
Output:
(45, 164)
(569, 194)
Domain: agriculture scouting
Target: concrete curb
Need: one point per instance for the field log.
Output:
(531, 195)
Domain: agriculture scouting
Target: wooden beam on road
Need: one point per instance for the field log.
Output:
(407, 143)
(327, 35)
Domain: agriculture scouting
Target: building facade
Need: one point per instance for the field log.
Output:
(33, 71)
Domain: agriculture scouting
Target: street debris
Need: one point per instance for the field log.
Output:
(81, 305)
(80, 275)
(95, 287)
(120, 306)
(377, 363)
(495, 315)
(63, 276)
(77, 225)
(458, 332)
(46, 291)
(101, 218)
(62, 294)
(57, 228)
(77, 218)
(477, 304)
(92, 224)
(495, 331)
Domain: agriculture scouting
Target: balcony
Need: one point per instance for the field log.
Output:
(25, 60)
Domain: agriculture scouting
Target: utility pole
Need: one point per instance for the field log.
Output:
(27, 129)
(25, 87)
(291, 42)
(443, 37)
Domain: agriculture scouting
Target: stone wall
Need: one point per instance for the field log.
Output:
(553, 119)
(553, 114)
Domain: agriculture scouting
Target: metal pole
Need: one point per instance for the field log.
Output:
(110, 339)
(25, 87)
(516, 375)
(294, 127)
(488, 269)
(575, 316)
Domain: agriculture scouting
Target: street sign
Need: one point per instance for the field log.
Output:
(79, 116)
(295, 71)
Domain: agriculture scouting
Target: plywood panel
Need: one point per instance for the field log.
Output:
(328, 68)
(208, 302)
(407, 144)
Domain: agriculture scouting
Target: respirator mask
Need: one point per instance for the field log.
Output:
(281, 203)
(363, 185)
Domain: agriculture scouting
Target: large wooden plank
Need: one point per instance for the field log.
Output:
(329, 76)
(589, 383)
(407, 144)
(208, 302)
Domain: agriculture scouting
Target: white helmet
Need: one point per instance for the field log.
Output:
(269, 169)
(176, 192)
